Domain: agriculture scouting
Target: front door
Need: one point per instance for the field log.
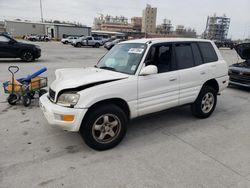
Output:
(7, 49)
(159, 91)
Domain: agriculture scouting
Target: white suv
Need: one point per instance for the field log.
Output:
(135, 78)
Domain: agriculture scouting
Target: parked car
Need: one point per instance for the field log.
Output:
(42, 37)
(69, 39)
(88, 41)
(135, 78)
(10, 48)
(239, 73)
(225, 44)
(31, 37)
(109, 45)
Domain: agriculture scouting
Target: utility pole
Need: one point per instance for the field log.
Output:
(41, 8)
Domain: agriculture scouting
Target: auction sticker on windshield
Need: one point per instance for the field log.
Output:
(136, 50)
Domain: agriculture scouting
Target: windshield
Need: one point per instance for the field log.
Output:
(123, 58)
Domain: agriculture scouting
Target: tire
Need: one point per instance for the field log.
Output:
(42, 92)
(66, 42)
(26, 101)
(205, 103)
(27, 56)
(78, 45)
(13, 98)
(97, 45)
(100, 123)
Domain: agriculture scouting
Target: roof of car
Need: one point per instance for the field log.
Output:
(160, 40)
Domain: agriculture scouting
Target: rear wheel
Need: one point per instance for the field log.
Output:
(78, 45)
(205, 104)
(104, 127)
(27, 56)
(97, 45)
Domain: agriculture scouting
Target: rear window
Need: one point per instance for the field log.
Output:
(208, 52)
(184, 56)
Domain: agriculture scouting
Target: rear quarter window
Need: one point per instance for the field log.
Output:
(208, 52)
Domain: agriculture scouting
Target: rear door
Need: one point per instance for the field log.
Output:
(192, 72)
(210, 59)
(159, 91)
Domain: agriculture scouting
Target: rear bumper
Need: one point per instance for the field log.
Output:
(52, 111)
(222, 82)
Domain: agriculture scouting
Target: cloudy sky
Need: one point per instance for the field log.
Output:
(191, 13)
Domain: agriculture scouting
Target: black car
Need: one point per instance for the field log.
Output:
(10, 48)
(239, 73)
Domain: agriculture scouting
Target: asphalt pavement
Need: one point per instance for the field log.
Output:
(167, 149)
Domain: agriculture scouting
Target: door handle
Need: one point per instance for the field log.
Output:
(203, 73)
(172, 79)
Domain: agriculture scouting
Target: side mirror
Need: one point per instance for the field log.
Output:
(148, 70)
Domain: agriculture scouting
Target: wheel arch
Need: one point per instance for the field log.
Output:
(21, 51)
(116, 101)
(212, 83)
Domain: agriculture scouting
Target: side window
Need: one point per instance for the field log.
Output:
(4, 39)
(161, 57)
(184, 56)
(208, 52)
(89, 38)
(197, 55)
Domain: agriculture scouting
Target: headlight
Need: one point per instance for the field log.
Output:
(68, 99)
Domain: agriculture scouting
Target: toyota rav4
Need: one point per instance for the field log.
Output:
(133, 79)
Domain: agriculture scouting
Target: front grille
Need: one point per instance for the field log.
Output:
(52, 94)
(241, 77)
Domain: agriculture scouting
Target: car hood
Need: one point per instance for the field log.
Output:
(240, 67)
(71, 78)
(243, 50)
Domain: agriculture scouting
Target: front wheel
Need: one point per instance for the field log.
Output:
(27, 56)
(205, 103)
(104, 127)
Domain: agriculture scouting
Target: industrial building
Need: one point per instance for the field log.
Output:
(2, 27)
(165, 28)
(54, 30)
(149, 19)
(136, 23)
(217, 27)
(112, 23)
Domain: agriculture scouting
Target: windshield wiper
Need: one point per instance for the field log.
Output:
(108, 68)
